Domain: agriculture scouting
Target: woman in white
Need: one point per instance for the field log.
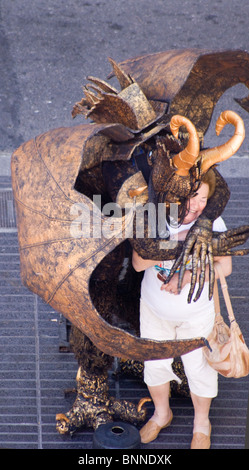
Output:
(166, 314)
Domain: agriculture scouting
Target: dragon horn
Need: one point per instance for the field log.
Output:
(223, 152)
(184, 160)
(136, 192)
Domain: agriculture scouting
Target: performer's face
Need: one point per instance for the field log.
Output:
(196, 204)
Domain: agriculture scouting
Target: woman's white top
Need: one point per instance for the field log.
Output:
(170, 306)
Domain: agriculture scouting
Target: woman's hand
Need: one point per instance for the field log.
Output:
(172, 285)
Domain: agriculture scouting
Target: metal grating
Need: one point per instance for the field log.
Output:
(7, 210)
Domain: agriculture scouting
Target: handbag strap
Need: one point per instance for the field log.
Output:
(224, 287)
(216, 298)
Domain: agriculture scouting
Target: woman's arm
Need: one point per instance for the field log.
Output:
(224, 261)
(140, 264)
(226, 265)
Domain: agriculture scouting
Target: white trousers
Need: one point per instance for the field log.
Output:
(202, 379)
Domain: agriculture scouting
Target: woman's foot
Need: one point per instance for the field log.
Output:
(201, 437)
(151, 429)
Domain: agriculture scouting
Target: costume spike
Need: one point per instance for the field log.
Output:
(124, 79)
(102, 85)
(91, 98)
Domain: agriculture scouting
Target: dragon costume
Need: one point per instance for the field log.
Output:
(132, 153)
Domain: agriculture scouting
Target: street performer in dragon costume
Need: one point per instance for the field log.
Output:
(145, 144)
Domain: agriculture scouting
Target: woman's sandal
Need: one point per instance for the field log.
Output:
(151, 429)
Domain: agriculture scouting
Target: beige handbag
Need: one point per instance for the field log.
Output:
(229, 355)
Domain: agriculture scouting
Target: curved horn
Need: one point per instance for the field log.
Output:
(184, 160)
(223, 152)
(137, 191)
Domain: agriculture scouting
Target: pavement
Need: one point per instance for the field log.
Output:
(47, 49)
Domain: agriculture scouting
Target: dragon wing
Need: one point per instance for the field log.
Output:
(191, 81)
